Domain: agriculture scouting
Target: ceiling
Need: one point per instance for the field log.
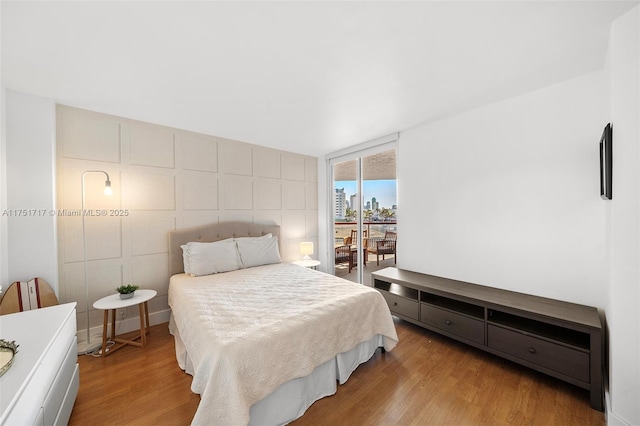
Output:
(307, 77)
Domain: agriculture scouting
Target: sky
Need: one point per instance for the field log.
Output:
(383, 190)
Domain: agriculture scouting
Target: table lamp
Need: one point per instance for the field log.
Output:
(306, 248)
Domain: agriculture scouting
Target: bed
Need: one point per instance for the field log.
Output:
(264, 342)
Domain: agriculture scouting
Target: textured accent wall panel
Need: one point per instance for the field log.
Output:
(293, 226)
(311, 196)
(268, 195)
(311, 224)
(200, 191)
(104, 237)
(151, 146)
(70, 187)
(237, 193)
(164, 179)
(89, 136)
(150, 272)
(236, 216)
(293, 167)
(289, 249)
(268, 218)
(268, 163)
(196, 218)
(236, 158)
(104, 279)
(70, 229)
(72, 276)
(293, 195)
(311, 169)
(148, 190)
(199, 152)
(149, 234)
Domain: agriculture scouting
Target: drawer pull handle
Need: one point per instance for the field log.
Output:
(532, 350)
(448, 322)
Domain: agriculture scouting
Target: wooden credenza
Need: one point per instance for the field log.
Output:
(41, 386)
(561, 339)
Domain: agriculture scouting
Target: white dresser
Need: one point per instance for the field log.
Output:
(42, 384)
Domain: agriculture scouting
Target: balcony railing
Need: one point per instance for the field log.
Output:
(375, 229)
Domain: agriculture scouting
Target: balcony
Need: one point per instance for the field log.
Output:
(374, 229)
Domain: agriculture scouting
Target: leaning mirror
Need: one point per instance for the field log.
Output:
(8, 350)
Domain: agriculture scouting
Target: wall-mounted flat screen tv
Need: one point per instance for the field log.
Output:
(606, 163)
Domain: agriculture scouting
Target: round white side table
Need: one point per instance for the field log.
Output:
(307, 263)
(113, 302)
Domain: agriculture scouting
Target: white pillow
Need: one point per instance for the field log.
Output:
(258, 251)
(185, 259)
(212, 258)
(264, 237)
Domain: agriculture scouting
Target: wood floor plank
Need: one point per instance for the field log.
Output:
(427, 379)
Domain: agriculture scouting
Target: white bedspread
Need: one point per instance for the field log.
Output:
(249, 331)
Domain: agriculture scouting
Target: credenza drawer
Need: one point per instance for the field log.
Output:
(451, 322)
(402, 306)
(558, 338)
(571, 362)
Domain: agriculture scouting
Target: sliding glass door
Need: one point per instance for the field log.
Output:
(364, 206)
(346, 218)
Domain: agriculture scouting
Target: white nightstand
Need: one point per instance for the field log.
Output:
(307, 263)
(113, 302)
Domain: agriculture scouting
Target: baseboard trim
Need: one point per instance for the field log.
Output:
(610, 418)
(126, 325)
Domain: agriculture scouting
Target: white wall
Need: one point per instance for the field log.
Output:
(4, 275)
(3, 179)
(623, 314)
(507, 195)
(30, 191)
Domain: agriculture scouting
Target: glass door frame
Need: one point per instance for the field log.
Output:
(356, 153)
(358, 208)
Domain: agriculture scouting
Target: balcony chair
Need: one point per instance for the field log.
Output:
(352, 237)
(344, 253)
(387, 245)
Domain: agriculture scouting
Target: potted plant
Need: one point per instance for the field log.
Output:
(127, 291)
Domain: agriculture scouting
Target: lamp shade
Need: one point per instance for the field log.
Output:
(306, 248)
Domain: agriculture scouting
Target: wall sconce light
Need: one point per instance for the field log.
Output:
(88, 346)
(306, 248)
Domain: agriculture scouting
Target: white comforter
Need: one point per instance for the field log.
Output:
(249, 331)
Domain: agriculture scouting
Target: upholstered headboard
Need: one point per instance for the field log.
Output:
(211, 233)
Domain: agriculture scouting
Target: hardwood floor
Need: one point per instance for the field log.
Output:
(135, 386)
(427, 379)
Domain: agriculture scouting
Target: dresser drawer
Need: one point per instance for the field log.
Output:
(460, 325)
(30, 391)
(400, 305)
(571, 362)
(57, 392)
(64, 414)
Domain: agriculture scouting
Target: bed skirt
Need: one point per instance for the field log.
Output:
(290, 401)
